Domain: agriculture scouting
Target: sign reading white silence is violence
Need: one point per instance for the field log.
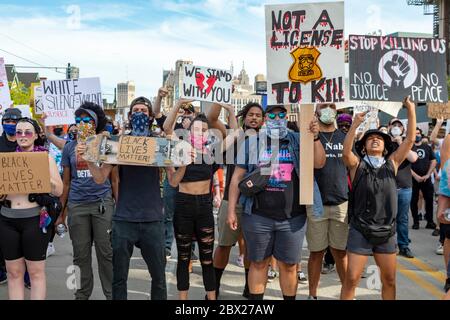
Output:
(305, 53)
(206, 84)
(60, 98)
(386, 68)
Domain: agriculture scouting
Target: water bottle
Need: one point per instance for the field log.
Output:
(61, 230)
(447, 215)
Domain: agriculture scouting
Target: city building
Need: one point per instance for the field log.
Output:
(126, 92)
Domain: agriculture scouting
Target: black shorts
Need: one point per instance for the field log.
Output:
(358, 244)
(22, 238)
(445, 229)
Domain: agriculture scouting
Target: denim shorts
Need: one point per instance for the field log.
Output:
(358, 244)
(267, 237)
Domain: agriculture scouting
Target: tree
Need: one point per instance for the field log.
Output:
(20, 94)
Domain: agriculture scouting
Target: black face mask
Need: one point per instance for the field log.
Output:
(418, 139)
(115, 131)
(57, 131)
(72, 136)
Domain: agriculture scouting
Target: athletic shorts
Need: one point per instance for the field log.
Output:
(330, 230)
(22, 238)
(445, 228)
(265, 237)
(358, 244)
(228, 237)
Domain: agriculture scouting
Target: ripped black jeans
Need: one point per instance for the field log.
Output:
(193, 219)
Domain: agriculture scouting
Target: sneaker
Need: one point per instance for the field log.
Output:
(301, 277)
(416, 225)
(327, 268)
(194, 257)
(50, 249)
(271, 275)
(447, 285)
(406, 252)
(240, 261)
(312, 298)
(3, 277)
(26, 280)
(430, 225)
(436, 233)
(168, 253)
(440, 249)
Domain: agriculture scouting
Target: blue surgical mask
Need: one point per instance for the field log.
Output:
(140, 124)
(375, 162)
(10, 129)
(109, 128)
(277, 128)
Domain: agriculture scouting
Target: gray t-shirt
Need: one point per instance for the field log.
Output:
(83, 188)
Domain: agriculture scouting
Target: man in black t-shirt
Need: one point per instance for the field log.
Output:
(421, 172)
(330, 229)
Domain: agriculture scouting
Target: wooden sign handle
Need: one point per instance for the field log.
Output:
(306, 115)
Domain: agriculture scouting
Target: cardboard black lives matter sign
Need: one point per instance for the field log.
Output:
(24, 173)
(385, 68)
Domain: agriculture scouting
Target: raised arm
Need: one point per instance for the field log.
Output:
(320, 157)
(350, 159)
(162, 92)
(58, 142)
(435, 132)
(172, 116)
(402, 152)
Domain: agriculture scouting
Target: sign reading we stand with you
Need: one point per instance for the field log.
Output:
(386, 68)
(206, 84)
(305, 53)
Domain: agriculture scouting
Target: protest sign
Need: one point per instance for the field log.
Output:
(371, 118)
(61, 98)
(206, 84)
(391, 108)
(36, 98)
(439, 110)
(386, 68)
(24, 172)
(305, 53)
(137, 150)
(25, 110)
(5, 96)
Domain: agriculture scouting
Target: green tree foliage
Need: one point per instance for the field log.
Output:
(20, 94)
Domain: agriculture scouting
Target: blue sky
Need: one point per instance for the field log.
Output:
(136, 40)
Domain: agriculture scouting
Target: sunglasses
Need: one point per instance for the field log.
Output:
(85, 119)
(26, 133)
(344, 126)
(280, 115)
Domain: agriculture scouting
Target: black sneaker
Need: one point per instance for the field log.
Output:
(406, 252)
(447, 285)
(435, 233)
(430, 225)
(420, 217)
(416, 225)
(246, 293)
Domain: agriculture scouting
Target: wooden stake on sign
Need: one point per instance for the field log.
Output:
(306, 114)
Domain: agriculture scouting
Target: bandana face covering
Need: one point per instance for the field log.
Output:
(375, 162)
(199, 143)
(277, 128)
(140, 123)
(85, 130)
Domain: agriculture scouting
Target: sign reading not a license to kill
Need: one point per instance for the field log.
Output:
(386, 68)
(24, 172)
(305, 53)
(206, 84)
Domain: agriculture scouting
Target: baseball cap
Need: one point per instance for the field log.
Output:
(269, 108)
(395, 120)
(141, 100)
(12, 114)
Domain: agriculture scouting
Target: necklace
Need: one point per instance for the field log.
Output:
(328, 140)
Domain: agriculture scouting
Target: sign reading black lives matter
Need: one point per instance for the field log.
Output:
(385, 68)
(206, 84)
(60, 98)
(305, 53)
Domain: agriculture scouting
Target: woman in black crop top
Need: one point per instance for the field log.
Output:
(193, 217)
(373, 203)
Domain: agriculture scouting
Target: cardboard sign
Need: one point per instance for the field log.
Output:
(439, 110)
(390, 68)
(392, 108)
(371, 118)
(206, 84)
(5, 96)
(36, 98)
(305, 53)
(61, 98)
(24, 172)
(137, 150)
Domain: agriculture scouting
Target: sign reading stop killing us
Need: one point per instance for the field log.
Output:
(305, 53)
(386, 68)
(24, 173)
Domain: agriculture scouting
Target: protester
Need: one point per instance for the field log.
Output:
(331, 228)
(269, 228)
(373, 203)
(23, 236)
(344, 122)
(404, 188)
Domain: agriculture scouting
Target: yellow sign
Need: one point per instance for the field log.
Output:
(305, 68)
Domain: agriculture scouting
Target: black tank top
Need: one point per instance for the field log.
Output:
(373, 199)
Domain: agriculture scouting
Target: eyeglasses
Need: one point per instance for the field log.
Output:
(280, 115)
(85, 119)
(26, 133)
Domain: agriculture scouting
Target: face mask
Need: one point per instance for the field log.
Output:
(375, 162)
(57, 131)
(418, 139)
(10, 129)
(277, 128)
(72, 136)
(327, 115)
(109, 128)
(140, 124)
(199, 143)
(396, 131)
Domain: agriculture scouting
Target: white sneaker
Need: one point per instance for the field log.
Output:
(50, 249)
(240, 261)
(440, 249)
